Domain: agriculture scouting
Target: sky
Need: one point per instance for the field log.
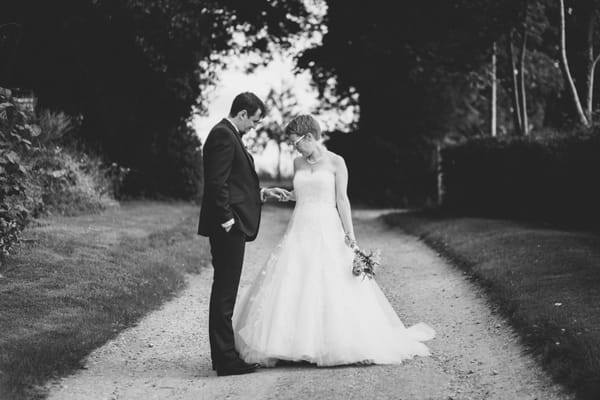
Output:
(234, 81)
(277, 74)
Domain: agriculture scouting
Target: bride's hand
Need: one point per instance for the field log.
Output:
(275, 193)
(351, 242)
(287, 195)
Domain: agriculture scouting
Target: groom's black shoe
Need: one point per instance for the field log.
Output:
(236, 367)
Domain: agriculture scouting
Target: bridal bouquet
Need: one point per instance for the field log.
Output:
(364, 263)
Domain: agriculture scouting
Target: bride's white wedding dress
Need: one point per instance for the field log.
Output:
(306, 305)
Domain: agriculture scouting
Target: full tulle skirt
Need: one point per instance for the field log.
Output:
(306, 305)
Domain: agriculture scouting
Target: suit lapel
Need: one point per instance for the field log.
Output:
(239, 137)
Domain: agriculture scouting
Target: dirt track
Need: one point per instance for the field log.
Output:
(475, 353)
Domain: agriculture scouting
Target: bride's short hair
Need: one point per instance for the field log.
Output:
(303, 124)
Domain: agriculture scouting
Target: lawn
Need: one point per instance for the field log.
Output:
(79, 281)
(544, 279)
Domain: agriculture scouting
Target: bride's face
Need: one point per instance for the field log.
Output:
(305, 144)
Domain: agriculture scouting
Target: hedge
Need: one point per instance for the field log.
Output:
(540, 178)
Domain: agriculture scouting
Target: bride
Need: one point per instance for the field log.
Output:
(305, 304)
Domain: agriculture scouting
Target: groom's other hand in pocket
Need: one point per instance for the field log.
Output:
(227, 225)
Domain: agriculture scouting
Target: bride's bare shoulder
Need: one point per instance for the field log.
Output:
(335, 158)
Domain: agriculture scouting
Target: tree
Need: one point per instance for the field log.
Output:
(564, 62)
(391, 58)
(578, 58)
(517, 72)
(134, 69)
(422, 75)
(494, 94)
(282, 106)
(533, 25)
(10, 34)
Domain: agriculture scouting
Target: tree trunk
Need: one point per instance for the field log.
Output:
(523, 94)
(591, 65)
(279, 160)
(440, 175)
(494, 105)
(566, 71)
(590, 100)
(515, 85)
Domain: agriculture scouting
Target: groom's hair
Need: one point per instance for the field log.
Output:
(303, 124)
(247, 101)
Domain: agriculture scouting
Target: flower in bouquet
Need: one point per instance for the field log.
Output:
(365, 262)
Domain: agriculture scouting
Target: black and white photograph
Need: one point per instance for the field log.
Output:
(299, 199)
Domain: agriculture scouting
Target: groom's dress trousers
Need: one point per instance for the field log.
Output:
(231, 190)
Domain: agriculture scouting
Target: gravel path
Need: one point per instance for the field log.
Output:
(475, 353)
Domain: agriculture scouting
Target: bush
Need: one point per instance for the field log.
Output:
(71, 183)
(39, 175)
(551, 178)
(383, 173)
(55, 126)
(16, 135)
(9, 235)
(174, 171)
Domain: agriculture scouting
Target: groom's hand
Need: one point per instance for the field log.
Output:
(227, 225)
(275, 193)
(287, 195)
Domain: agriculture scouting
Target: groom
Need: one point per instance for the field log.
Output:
(230, 216)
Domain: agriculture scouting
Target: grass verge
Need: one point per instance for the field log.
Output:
(81, 280)
(545, 280)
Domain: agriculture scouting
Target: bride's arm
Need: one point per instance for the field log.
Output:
(341, 197)
(292, 194)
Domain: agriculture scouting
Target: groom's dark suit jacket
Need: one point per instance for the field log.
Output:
(231, 185)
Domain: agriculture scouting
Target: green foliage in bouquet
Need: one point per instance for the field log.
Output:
(365, 263)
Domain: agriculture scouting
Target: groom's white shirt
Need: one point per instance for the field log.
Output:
(229, 223)
(233, 124)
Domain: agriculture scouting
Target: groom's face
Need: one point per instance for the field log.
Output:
(250, 121)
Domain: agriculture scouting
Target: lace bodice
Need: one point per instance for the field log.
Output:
(314, 186)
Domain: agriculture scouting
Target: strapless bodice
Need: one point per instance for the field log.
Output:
(314, 187)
